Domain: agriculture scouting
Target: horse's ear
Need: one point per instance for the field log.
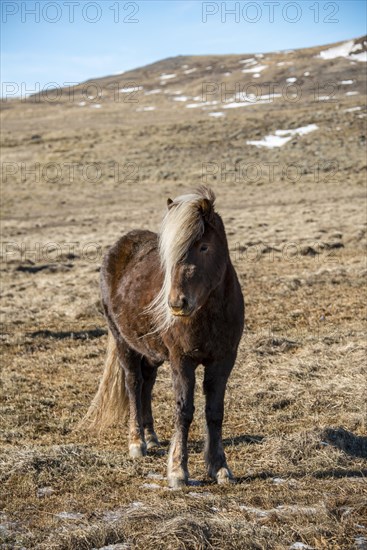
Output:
(169, 203)
(206, 208)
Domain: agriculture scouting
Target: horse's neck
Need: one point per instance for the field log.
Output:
(223, 291)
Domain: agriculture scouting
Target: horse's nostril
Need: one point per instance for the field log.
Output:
(178, 303)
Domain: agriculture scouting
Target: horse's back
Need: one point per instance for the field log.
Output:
(127, 249)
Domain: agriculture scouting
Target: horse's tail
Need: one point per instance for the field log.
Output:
(111, 402)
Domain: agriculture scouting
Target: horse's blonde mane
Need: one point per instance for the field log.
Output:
(182, 225)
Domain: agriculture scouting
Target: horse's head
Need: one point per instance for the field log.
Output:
(194, 254)
(201, 268)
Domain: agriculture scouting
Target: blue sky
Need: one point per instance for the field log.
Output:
(64, 41)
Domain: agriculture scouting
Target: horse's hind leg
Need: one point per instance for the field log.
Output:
(149, 373)
(215, 380)
(131, 363)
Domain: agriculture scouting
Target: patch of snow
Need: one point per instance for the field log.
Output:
(184, 67)
(115, 515)
(259, 55)
(189, 71)
(167, 76)
(227, 74)
(256, 511)
(352, 93)
(45, 492)
(251, 100)
(130, 89)
(307, 73)
(150, 486)
(324, 98)
(352, 109)
(153, 475)
(347, 50)
(70, 515)
(251, 61)
(279, 480)
(346, 82)
(362, 57)
(203, 104)
(338, 51)
(208, 67)
(300, 546)
(281, 137)
(136, 504)
(361, 543)
(256, 75)
(216, 114)
(194, 494)
(256, 69)
(7, 527)
(270, 141)
(155, 91)
(149, 108)
(96, 106)
(81, 104)
(291, 80)
(181, 98)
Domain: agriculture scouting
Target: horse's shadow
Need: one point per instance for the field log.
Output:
(246, 439)
(352, 445)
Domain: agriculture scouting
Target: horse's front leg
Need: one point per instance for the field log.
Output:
(183, 375)
(215, 381)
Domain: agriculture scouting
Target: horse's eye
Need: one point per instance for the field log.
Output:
(203, 248)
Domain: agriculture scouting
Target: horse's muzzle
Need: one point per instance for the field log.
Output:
(179, 306)
(180, 312)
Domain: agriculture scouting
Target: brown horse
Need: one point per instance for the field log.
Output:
(171, 297)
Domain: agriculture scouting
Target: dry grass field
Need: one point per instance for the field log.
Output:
(76, 177)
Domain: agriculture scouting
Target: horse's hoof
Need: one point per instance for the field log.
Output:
(224, 475)
(152, 441)
(175, 482)
(153, 444)
(137, 450)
